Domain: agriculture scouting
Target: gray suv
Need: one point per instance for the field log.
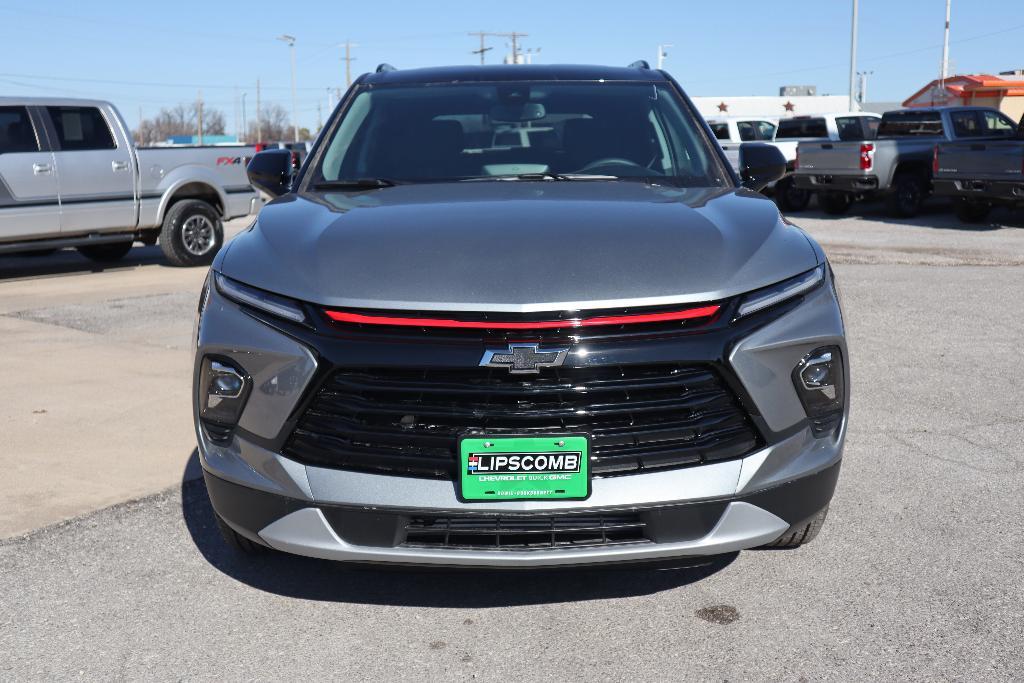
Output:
(519, 316)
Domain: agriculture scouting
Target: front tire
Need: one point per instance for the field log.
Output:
(835, 203)
(192, 233)
(790, 198)
(801, 535)
(971, 211)
(105, 253)
(238, 543)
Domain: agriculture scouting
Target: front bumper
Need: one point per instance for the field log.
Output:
(360, 534)
(357, 516)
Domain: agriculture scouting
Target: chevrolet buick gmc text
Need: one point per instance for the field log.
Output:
(519, 316)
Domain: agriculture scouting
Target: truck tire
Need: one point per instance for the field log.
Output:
(236, 541)
(908, 193)
(801, 535)
(790, 198)
(192, 233)
(971, 211)
(835, 203)
(105, 253)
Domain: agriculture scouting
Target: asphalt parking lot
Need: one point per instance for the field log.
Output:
(112, 567)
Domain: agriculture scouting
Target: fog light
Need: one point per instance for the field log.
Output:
(820, 384)
(223, 389)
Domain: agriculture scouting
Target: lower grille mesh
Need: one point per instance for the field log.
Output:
(407, 422)
(524, 533)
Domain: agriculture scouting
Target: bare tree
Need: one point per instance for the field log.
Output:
(182, 119)
(275, 123)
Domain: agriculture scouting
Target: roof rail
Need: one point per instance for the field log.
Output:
(640, 64)
(384, 68)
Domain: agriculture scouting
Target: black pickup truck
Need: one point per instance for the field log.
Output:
(982, 173)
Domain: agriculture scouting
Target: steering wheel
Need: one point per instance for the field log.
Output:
(611, 161)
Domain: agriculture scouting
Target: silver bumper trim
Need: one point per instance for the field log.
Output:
(307, 532)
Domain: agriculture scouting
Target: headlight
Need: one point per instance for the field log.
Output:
(821, 386)
(257, 298)
(776, 294)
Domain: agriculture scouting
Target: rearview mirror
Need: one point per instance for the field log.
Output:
(760, 165)
(518, 113)
(271, 171)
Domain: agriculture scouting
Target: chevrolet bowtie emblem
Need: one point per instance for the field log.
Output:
(523, 358)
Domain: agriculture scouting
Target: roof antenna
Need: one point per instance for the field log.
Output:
(384, 68)
(640, 64)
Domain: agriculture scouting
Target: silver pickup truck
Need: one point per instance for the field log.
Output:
(896, 166)
(71, 177)
(982, 171)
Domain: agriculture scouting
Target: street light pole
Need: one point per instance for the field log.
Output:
(295, 110)
(944, 73)
(853, 59)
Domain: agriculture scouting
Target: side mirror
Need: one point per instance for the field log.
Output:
(760, 164)
(271, 171)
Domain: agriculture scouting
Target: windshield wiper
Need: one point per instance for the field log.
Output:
(545, 175)
(356, 183)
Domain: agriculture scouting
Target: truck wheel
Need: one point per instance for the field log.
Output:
(790, 198)
(971, 211)
(908, 194)
(801, 535)
(192, 233)
(236, 541)
(835, 203)
(106, 253)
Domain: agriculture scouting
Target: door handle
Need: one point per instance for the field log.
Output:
(41, 169)
(119, 165)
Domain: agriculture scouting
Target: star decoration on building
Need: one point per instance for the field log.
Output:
(723, 107)
(789, 106)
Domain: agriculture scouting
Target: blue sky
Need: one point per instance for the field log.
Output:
(153, 54)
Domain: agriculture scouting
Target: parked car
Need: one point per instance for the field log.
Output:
(833, 127)
(434, 349)
(897, 166)
(985, 168)
(71, 177)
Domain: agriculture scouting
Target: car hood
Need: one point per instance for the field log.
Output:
(517, 246)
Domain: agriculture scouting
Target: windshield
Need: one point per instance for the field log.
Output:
(421, 133)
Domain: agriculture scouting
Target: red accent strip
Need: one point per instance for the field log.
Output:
(687, 314)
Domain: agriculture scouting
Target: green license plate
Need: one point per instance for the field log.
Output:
(524, 467)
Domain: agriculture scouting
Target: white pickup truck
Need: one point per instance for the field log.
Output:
(71, 177)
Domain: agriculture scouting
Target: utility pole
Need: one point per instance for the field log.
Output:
(295, 109)
(138, 128)
(662, 54)
(853, 58)
(483, 48)
(348, 58)
(259, 120)
(515, 45)
(944, 71)
(199, 112)
(319, 116)
(245, 121)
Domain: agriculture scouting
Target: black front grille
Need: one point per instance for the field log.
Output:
(407, 422)
(524, 533)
